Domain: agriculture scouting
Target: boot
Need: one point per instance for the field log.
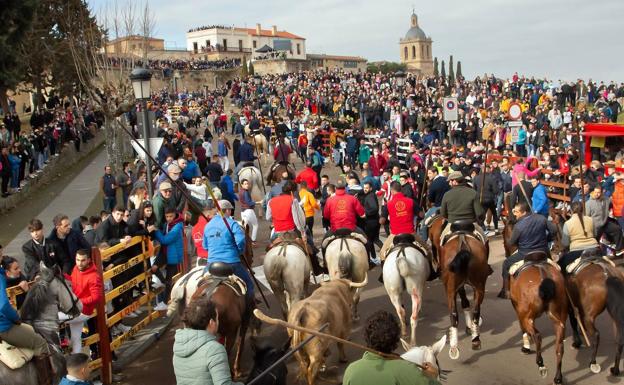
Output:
(433, 273)
(44, 369)
(380, 279)
(504, 293)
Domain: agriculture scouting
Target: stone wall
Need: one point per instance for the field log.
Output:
(55, 167)
(280, 66)
(195, 80)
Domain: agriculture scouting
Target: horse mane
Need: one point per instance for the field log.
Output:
(37, 298)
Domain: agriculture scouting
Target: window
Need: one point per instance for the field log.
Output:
(240, 46)
(298, 49)
(349, 64)
(195, 47)
(413, 52)
(225, 44)
(133, 46)
(255, 44)
(405, 53)
(422, 51)
(207, 43)
(428, 52)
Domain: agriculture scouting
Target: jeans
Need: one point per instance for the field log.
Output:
(75, 326)
(423, 231)
(109, 203)
(241, 272)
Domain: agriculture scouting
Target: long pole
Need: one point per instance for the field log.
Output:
(287, 355)
(487, 142)
(148, 159)
(191, 202)
(580, 156)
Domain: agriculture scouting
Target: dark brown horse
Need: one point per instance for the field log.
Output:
(538, 289)
(597, 286)
(463, 260)
(235, 313)
(276, 172)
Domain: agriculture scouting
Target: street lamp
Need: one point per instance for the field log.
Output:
(141, 84)
(400, 81)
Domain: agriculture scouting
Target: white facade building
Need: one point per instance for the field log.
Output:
(244, 41)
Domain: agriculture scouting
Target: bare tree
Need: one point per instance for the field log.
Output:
(147, 26)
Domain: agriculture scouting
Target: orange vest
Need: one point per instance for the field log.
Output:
(617, 199)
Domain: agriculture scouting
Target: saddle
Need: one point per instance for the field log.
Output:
(342, 233)
(14, 357)
(588, 257)
(410, 240)
(465, 227)
(289, 238)
(221, 274)
(432, 218)
(534, 258)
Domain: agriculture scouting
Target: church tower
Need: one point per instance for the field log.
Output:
(415, 49)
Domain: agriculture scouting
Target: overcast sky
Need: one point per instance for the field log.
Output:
(561, 39)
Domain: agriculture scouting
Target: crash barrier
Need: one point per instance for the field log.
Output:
(134, 271)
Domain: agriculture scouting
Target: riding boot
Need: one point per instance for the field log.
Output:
(316, 266)
(504, 293)
(44, 369)
(380, 279)
(433, 273)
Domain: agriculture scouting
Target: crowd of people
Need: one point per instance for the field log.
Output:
(25, 153)
(168, 65)
(352, 121)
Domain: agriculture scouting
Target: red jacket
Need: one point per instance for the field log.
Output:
(309, 176)
(377, 164)
(281, 152)
(281, 213)
(88, 287)
(342, 211)
(198, 237)
(401, 214)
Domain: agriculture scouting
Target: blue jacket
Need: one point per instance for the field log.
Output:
(221, 148)
(246, 152)
(65, 381)
(8, 315)
(521, 136)
(174, 242)
(218, 241)
(531, 233)
(191, 171)
(227, 189)
(540, 200)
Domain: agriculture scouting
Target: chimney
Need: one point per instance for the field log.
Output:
(258, 28)
(274, 30)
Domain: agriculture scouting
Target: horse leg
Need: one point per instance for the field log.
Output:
(356, 301)
(589, 322)
(240, 347)
(615, 370)
(281, 298)
(395, 298)
(576, 344)
(559, 335)
(451, 297)
(465, 304)
(416, 303)
(529, 327)
(476, 317)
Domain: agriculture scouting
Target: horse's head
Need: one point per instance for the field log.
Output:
(266, 355)
(50, 288)
(421, 354)
(67, 301)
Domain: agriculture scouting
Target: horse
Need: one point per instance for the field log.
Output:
(234, 310)
(539, 288)
(252, 174)
(347, 258)
(287, 269)
(276, 171)
(463, 259)
(406, 269)
(260, 143)
(48, 295)
(597, 285)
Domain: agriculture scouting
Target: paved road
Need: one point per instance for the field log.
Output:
(499, 361)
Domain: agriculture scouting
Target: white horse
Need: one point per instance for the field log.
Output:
(261, 145)
(406, 269)
(183, 290)
(287, 269)
(421, 354)
(347, 258)
(252, 174)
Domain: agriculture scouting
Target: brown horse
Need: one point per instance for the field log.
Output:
(463, 259)
(276, 171)
(235, 313)
(593, 288)
(538, 289)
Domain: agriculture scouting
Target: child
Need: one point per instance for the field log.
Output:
(78, 370)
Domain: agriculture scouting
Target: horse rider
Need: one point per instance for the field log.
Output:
(342, 210)
(226, 247)
(438, 186)
(246, 155)
(401, 211)
(577, 236)
(22, 336)
(282, 152)
(287, 216)
(461, 203)
(531, 233)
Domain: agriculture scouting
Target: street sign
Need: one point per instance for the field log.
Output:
(515, 128)
(515, 111)
(153, 144)
(450, 109)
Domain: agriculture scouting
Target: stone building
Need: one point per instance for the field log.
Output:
(415, 49)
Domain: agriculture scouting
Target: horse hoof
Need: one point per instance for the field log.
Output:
(543, 371)
(476, 344)
(323, 368)
(454, 352)
(526, 350)
(615, 371)
(595, 368)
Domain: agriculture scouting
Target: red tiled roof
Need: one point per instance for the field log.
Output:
(269, 33)
(334, 57)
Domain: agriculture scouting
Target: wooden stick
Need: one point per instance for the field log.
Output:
(274, 321)
(578, 317)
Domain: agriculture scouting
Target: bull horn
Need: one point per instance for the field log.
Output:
(357, 285)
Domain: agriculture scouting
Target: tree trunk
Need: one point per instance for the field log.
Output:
(118, 148)
(4, 101)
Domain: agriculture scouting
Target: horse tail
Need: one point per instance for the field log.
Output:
(299, 318)
(459, 264)
(344, 263)
(547, 290)
(615, 304)
(403, 266)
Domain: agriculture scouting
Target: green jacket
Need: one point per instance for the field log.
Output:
(160, 205)
(376, 370)
(460, 203)
(199, 359)
(364, 154)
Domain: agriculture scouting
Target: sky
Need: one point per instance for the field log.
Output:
(559, 39)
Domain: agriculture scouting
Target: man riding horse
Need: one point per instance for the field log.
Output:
(531, 233)
(246, 155)
(461, 204)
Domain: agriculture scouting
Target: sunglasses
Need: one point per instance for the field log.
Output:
(166, 191)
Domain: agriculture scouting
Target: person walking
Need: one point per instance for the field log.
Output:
(223, 147)
(108, 187)
(309, 204)
(248, 215)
